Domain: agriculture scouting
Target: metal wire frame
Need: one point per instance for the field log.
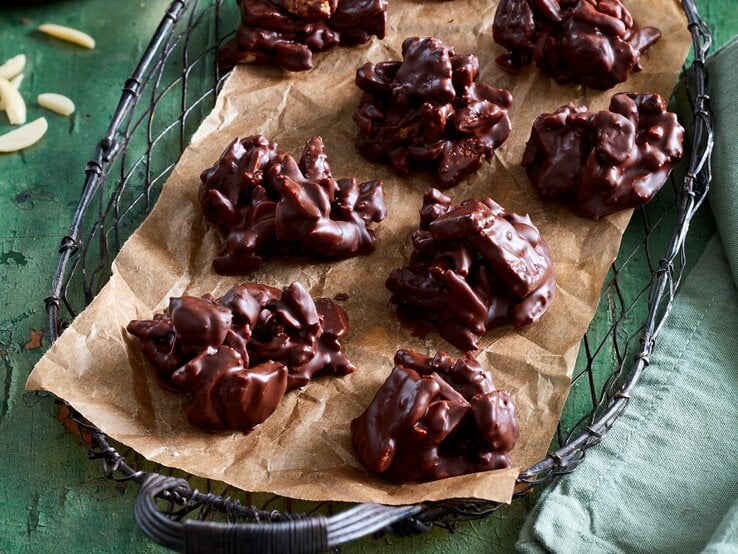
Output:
(153, 121)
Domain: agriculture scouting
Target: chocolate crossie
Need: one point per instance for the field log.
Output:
(592, 42)
(435, 418)
(228, 395)
(473, 267)
(430, 110)
(287, 32)
(262, 200)
(239, 353)
(602, 162)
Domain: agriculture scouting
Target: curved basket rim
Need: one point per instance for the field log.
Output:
(564, 460)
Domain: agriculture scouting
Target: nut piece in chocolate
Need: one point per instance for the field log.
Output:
(435, 417)
(262, 201)
(474, 266)
(592, 42)
(287, 32)
(238, 354)
(598, 163)
(429, 110)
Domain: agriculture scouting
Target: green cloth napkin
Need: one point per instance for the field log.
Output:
(666, 477)
(724, 194)
(667, 474)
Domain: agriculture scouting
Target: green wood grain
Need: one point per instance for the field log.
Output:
(51, 497)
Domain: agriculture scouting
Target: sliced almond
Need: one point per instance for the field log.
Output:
(56, 103)
(23, 137)
(15, 107)
(14, 66)
(67, 33)
(16, 82)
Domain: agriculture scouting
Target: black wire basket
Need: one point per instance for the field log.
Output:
(170, 92)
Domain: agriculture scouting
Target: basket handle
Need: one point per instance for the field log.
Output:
(312, 534)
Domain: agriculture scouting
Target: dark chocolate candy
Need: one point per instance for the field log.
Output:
(228, 395)
(287, 32)
(302, 334)
(473, 267)
(430, 110)
(435, 417)
(237, 354)
(598, 163)
(262, 200)
(592, 42)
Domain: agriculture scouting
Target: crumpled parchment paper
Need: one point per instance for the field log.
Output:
(304, 449)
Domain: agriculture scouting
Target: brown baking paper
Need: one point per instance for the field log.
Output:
(304, 449)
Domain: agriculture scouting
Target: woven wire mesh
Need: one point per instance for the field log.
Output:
(171, 91)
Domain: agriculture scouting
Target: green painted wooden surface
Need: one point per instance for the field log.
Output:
(51, 497)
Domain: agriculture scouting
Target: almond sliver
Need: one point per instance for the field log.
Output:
(67, 33)
(14, 66)
(16, 82)
(56, 103)
(23, 137)
(15, 107)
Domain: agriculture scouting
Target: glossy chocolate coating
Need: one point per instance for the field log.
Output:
(237, 354)
(262, 200)
(435, 417)
(598, 163)
(227, 395)
(302, 334)
(429, 110)
(287, 32)
(473, 267)
(592, 42)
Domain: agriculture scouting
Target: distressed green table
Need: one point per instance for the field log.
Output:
(51, 497)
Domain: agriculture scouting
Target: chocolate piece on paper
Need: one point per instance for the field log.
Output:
(262, 200)
(592, 42)
(238, 354)
(302, 334)
(435, 417)
(599, 163)
(287, 32)
(474, 266)
(429, 110)
(227, 394)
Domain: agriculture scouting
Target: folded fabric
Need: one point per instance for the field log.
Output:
(666, 477)
(724, 194)
(725, 539)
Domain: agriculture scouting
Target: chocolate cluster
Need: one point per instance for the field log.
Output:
(592, 42)
(287, 32)
(262, 200)
(430, 110)
(435, 418)
(598, 163)
(473, 266)
(238, 354)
